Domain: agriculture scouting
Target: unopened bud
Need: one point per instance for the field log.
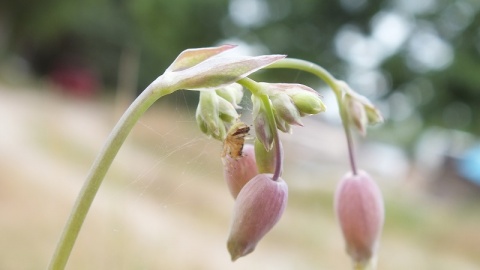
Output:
(373, 114)
(282, 125)
(361, 111)
(284, 108)
(358, 116)
(238, 171)
(263, 130)
(227, 111)
(232, 93)
(308, 102)
(258, 207)
(360, 212)
(207, 116)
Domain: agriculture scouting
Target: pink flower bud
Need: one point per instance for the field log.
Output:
(237, 172)
(258, 207)
(360, 212)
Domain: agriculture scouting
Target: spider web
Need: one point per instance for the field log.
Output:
(174, 160)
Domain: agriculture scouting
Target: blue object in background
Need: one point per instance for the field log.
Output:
(469, 165)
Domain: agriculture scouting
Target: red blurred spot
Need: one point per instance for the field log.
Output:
(76, 81)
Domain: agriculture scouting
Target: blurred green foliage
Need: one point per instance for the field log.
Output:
(430, 76)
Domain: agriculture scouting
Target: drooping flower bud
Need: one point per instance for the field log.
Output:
(360, 110)
(258, 207)
(227, 111)
(360, 212)
(263, 130)
(374, 115)
(308, 102)
(290, 102)
(232, 93)
(357, 114)
(282, 124)
(207, 116)
(237, 172)
(285, 109)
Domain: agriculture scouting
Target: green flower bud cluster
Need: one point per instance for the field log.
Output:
(290, 102)
(216, 109)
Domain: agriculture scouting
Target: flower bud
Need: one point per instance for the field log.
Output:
(227, 111)
(374, 115)
(237, 172)
(232, 93)
(360, 212)
(263, 130)
(308, 102)
(282, 125)
(258, 207)
(285, 109)
(360, 110)
(207, 116)
(358, 116)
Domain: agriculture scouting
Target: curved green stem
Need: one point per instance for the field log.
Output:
(276, 139)
(253, 87)
(348, 134)
(328, 78)
(99, 169)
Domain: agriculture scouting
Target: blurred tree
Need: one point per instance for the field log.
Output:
(95, 32)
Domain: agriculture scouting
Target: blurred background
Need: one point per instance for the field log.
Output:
(68, 69)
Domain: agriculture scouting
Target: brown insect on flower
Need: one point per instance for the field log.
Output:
(233, 144)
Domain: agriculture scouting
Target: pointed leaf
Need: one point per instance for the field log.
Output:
(217, 72)
(192, 57)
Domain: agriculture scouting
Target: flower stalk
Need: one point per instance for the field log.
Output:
(99, 169)
(198, 69)
(335, 85)
(256, 90)
(279, 106)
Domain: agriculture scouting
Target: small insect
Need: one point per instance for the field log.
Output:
(233, 144)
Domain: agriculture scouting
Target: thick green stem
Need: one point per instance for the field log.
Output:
(99, 169)
(253, 87)
(334, 85)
